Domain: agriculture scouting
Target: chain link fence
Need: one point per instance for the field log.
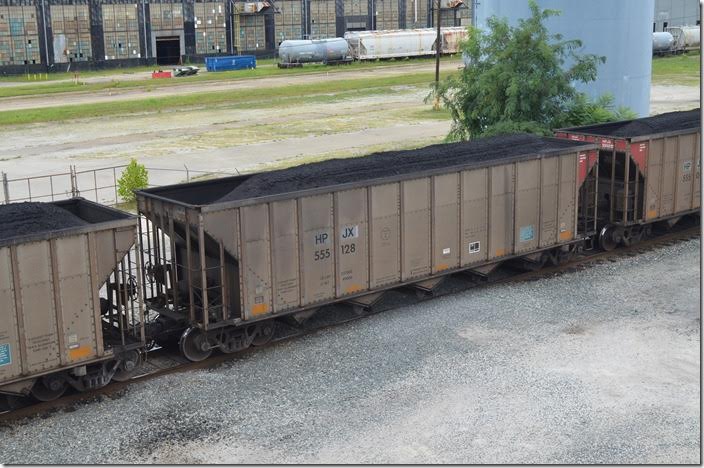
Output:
(98, 185)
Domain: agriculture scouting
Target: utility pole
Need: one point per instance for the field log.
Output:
(438, 46)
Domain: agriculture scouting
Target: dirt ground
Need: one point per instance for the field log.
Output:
(666, 98)
(228, 140)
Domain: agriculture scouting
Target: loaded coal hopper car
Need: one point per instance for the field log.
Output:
(226, 259)
(71, 312)
(648, 173)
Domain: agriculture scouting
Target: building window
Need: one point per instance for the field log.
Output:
(416, 14)
(166, 16)
(322, 19)
(70, 25)
(386, 14)
(288, 20)
(18, 36)
(356, 15)
(251, 33)
(210, 24)
(121, 32)
(664, 25)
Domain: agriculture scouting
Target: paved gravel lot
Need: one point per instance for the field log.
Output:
(596, 366)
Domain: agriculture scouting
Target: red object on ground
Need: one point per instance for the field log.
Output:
(161, 74)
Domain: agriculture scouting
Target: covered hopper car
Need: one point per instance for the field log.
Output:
(372, 45)
(231, 254)
(70, 308)
(648, 171)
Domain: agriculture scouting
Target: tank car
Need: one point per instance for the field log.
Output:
(663, 42)
(298, 52)
(71, 313)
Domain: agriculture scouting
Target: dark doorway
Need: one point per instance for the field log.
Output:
(168, 50)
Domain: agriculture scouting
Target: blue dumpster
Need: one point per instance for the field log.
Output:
(233, 62)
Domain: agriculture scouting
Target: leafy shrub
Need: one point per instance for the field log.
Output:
(134, 177)
(521, 79)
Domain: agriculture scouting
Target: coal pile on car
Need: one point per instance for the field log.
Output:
(21, 219)
(662, 123)
(391, 163)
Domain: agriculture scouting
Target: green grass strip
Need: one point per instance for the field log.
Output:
(679, 69)
(262, 71)
(269, 97)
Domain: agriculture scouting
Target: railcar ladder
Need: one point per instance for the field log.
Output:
(588, 203)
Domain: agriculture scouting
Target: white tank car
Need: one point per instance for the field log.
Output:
(662, 42)
(317, 50)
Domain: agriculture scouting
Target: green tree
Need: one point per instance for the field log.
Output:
(515, 79)
(134, 177)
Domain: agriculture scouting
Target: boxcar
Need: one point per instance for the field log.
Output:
(230, 254)
(71, 314)
(648, 171)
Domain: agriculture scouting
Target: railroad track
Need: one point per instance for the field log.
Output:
(165, 361)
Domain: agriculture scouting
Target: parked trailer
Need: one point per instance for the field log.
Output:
(297, 52)
(648, 171)
(71, 313)
(371, 45)
(235, 252)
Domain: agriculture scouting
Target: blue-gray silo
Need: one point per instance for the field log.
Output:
(619, 30)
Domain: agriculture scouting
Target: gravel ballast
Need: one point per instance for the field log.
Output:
(20, 219)
(392, 163)
(594, 366)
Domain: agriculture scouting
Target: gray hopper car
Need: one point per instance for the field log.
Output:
(648, 172)
(231, 254)
(71, 310)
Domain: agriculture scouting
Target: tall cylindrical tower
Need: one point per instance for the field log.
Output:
(619, 30)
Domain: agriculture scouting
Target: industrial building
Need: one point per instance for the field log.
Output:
(669, 13)
(59, 35)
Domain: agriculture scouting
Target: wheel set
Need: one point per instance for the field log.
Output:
(197, 345)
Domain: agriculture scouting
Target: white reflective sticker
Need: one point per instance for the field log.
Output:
(350, 232)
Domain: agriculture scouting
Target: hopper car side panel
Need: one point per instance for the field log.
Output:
(10, 357)
(351, 230)
(285, 262)
(317, 248)
(446, 222)
(474, 214)
(413, 232)
(385, 236)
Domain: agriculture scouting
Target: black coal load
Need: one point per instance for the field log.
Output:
(20, 219)
(392, 163)
(668, 122)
